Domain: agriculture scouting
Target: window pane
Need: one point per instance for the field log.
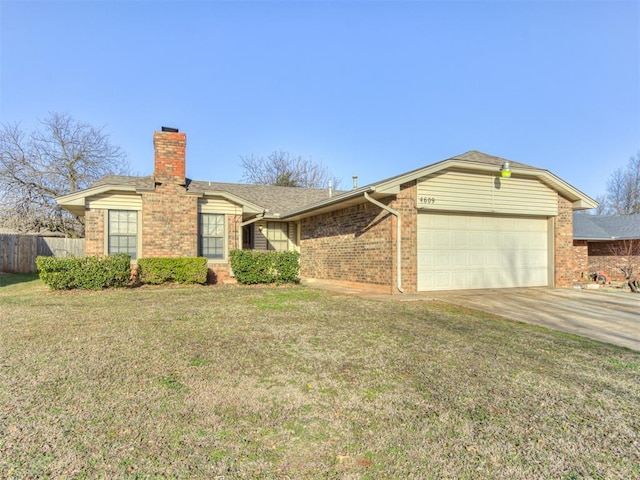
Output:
(212, 235)
(123, 231)
(277, 236)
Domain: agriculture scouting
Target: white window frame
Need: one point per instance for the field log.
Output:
(274, 232)
(223, 237)
(109, 248)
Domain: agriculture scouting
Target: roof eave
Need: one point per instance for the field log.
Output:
(75, 202)
(329, 202)
(247, 206)
(606, 239)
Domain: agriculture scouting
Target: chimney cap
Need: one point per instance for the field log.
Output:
(170, 129)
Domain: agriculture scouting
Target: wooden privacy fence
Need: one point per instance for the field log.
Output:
(18, 252)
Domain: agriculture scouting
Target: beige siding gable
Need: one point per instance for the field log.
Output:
(114, 201)
(473, 192)
(218, 205)
(263, 234)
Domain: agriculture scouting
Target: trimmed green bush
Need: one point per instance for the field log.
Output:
(87, 273)
(251, 266)
(160, 270)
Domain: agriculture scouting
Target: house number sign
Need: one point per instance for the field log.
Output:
(422, 200)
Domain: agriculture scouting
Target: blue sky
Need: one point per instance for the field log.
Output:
(366, 87)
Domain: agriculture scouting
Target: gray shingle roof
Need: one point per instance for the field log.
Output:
(141, 183)
(274, 199)
(279, 200)
(606, 227)
(472, 156)
(479, 157)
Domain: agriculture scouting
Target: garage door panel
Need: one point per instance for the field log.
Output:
(481, 251)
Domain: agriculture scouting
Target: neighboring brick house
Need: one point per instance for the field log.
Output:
(606, 243)
(471, 221)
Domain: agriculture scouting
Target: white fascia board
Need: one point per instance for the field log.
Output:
(580, 201)
(78, 198)
(328, 202)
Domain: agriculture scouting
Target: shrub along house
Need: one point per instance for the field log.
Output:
(471, 221)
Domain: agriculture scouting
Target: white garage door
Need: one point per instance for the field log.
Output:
(477, 251)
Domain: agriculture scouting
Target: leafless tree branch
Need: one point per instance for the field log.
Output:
(281, 168)
(62, 156)
(627, 252)
(623, 190)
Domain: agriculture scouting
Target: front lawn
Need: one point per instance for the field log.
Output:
(291, 382)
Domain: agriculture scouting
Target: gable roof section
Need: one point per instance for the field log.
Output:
(294, 202)
(274, 200)
(269, 200)
(469, 161)
(481, 162)
(606, 227)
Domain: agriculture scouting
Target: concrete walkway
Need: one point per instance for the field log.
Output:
(606, 315)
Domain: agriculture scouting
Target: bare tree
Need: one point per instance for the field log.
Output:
(601, 209)
(63, 156)
(286, 170)
(628, 253)
(623, 189)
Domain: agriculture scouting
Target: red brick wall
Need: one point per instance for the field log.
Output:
(580, 260)
(94, 232)
(352, 244)
(169, 222)
(608, 257)
(405, 204)
(170, 155)
(563, 244)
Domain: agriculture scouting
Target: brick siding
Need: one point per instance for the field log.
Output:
(564, 270)
(581, 267)
(170, 154)
(353, 245)
(169, 222)
(609, 257)
(405, 204)
(94, 232)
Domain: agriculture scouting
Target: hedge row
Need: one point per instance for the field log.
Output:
(88, 273)
(180, 270)
(96, 273)
(250, 266)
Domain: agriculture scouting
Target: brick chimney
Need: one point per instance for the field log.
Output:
(170, 157)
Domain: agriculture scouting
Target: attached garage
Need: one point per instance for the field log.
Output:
(467, 251)
(477, 230)
(472, 221)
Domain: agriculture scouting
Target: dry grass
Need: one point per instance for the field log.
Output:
(288, 382)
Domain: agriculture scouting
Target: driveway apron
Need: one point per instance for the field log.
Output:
(608, 316)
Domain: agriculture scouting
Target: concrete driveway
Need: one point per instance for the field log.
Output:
(605, 315)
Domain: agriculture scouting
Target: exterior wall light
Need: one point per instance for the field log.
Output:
(505, 170)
